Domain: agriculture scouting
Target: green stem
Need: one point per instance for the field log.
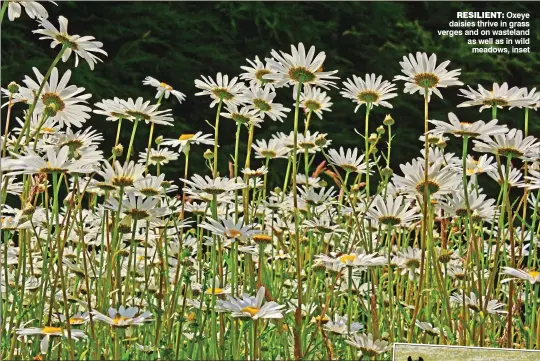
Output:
(216, 135)
(130, 148)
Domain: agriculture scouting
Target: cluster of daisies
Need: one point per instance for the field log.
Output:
(104, 256)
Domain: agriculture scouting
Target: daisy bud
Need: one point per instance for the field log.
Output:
(388, 120)
(166, 184)
(118, 150)
(208, 154)
(323, 183)
(262, 239)
(387, 172)
(433, 139)
(444, 257)
(277, 190)
(373, 138)
(380, 130)
(159, 140)
(13, 87)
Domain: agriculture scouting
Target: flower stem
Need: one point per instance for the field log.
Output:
(216, 135)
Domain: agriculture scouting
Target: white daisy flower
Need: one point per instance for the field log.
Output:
(262, 101)
(392, 211)
(409, 262)
(367, 345)
(138, 207)
(33, 9)
(48, 332)
(372, 91)
(244, 115)
(64, 100)
(186, 139)
(422, 73)
(118, 175)
(251, 307)
(534, 180)
(228, 229)
(54, 162)
(271, 149)
(500, 96)
(354, 259)
(158, 156)
(229, 92)
(164, 89)
(514, 175)
(481, 165)
(213, 186)
(531, 276)
(123, 317)
(83, 46)
(473, 303)
(299, 67)
(315, 100)
(471, 130)
(255, 74)
(511, 144)
(339, 325)
(349, 161)
(482, 209)
(428, 328)
(112, 108)
(144, 111)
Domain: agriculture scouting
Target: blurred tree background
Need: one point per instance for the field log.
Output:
(176, 42)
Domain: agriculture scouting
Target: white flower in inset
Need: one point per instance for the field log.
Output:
(422, 73)
(372, 91)
(299, 67)
(61, 98)
(164, 89)
(83, 46)
(251, 307)
(229, 92)
(499, 97)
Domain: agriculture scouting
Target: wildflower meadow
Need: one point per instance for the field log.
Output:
(107, 257)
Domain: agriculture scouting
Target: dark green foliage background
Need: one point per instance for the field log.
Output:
(176, 42)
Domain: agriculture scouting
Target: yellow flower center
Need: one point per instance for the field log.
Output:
(75, 320)
(347, 258)
(119, 319)
(214, 291)
(186, 136)
(50, 330)
(166, 86)
(47, 130)
(251, 310)
(534, 274)
(233, 233)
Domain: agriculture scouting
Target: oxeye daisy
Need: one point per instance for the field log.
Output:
(474, 304)
(422, 73)
(83, 46)
(54, 162)
(119, 175)
(500, 96)
(348, 160)
(228, 229)
(428, 328)
(142, 110)
(256, 72)
(512, 176)
(62, 102)
(158, 156)
(533, 180)
(252, 307)
(215, 186)
(299, 67)
(511, 144)
(530, 276)
(164, 89)
(391, 211)
(339, 325)
(482, 209)
(471, 130)
(262, 101)
(33, 9)
(151, 186)
(271, 149)
(409, 262)
(367, 345)
(123, 317)
(112, 108)
(371, 91)
(531, 97)
(184, 140)
(139, 207)
(48, 332)
(222, 90)
(315, 100)
(354, 259)
(81, 139)
(481, 165)
(244, 115)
